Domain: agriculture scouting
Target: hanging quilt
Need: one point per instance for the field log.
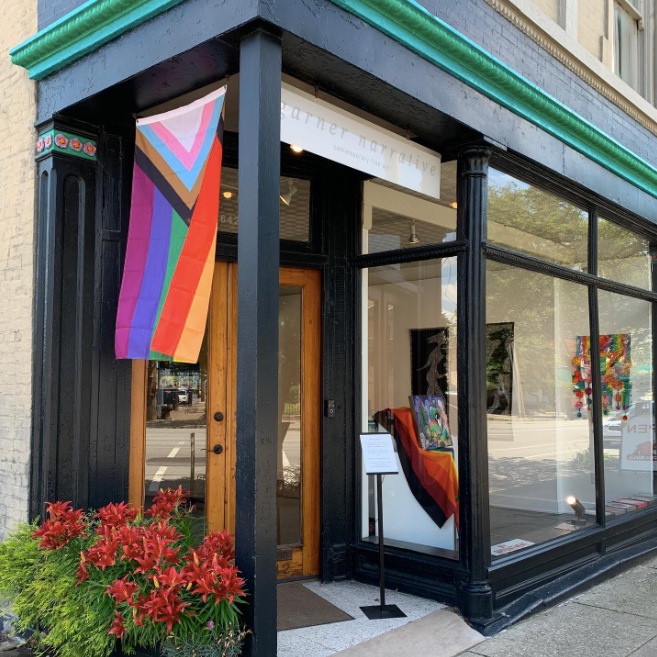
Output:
(431, 475)
(165, 292)
(615, 362)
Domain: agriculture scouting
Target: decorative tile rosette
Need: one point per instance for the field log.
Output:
(57, 140)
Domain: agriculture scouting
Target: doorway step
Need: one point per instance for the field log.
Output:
(428, 629)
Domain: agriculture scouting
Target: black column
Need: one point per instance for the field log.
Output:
(476, 593)
(63, 315)
(257, 332)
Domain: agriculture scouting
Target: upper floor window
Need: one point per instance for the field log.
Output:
(627, 18)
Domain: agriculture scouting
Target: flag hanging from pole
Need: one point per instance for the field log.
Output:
(165, 292)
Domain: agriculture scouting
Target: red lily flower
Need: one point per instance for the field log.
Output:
(170, 578)
(122, 590)
(62, 525)
(116, 515)
(117, 627)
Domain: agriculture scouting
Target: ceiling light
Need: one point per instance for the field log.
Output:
(296, 149)
(228, 194)
(413, 239)
(454, 205)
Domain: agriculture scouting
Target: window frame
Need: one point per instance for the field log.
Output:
(635, 14)
(568, 191)
(457, 249)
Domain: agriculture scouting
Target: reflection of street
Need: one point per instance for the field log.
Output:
(292, 442)
(522, 450)
(289, 489)
(534, 464)
(169, 451)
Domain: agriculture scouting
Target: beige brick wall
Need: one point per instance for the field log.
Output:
(17, 199)
(550, 8)
(591, 25)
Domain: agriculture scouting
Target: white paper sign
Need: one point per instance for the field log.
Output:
(509, 546)
(637, 446)
(378, 453)
(337, 135)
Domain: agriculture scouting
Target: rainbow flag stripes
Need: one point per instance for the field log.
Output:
(165, 292)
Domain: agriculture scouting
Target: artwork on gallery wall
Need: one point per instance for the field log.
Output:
(429, 358)
(431, 421)
(615, 362)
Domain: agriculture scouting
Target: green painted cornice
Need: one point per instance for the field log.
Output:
(84, 29)
(98, 21)
(414, 27)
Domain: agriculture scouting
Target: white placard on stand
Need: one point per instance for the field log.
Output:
(378, 453)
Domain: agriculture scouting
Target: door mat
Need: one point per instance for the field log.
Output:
(299, 607)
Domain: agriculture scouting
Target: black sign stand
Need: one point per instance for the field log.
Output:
(382, 610)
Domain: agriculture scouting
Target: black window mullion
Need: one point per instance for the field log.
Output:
(502, 254)
(593, 243)
(430, 252)
(596, 376)
(653, 252)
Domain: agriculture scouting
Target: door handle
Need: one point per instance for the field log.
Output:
(218, 416)
(217, 449)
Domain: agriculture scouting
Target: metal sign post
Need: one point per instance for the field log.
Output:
(379, 458)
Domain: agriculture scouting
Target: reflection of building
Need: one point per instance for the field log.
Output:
(464, 196)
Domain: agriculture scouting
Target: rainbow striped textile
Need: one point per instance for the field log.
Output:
(165, 293)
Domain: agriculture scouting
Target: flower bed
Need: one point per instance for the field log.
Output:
(122, 580)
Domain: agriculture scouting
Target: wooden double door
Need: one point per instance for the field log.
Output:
(299, 414)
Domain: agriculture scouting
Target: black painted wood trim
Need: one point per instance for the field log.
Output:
(426, 252)
(257, 333)
(62, 331)
(510, 257)
(476, 592)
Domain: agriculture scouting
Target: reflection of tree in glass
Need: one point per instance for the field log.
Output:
(547, 314)
(529, 220)
(622, 255)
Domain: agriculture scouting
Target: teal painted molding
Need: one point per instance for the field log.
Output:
(414, 27)
(99, 21)
(84, 29)
(58, 141)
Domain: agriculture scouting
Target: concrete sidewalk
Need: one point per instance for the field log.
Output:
(615, 619)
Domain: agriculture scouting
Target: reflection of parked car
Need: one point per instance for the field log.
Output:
(612, 424)
(183, 396)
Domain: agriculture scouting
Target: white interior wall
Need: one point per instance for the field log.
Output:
(409, 305)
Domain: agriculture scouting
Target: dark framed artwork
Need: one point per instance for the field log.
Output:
(429, 359)
(429, 349)
(499, 368)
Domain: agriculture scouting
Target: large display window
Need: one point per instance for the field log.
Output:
(569, 371)
(411, 379)
(540, 438)
(409, 362)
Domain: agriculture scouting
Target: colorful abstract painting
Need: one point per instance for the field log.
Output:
(170, 256)
(431, 421)
(615, 363)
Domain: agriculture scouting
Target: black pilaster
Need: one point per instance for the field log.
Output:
(257, 332)
(109, 447)
(476, 592)
(63, 317)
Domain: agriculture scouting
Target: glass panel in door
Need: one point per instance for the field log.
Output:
(290, 440)
(176, 428)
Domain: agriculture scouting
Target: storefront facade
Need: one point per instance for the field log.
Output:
(339, 295)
